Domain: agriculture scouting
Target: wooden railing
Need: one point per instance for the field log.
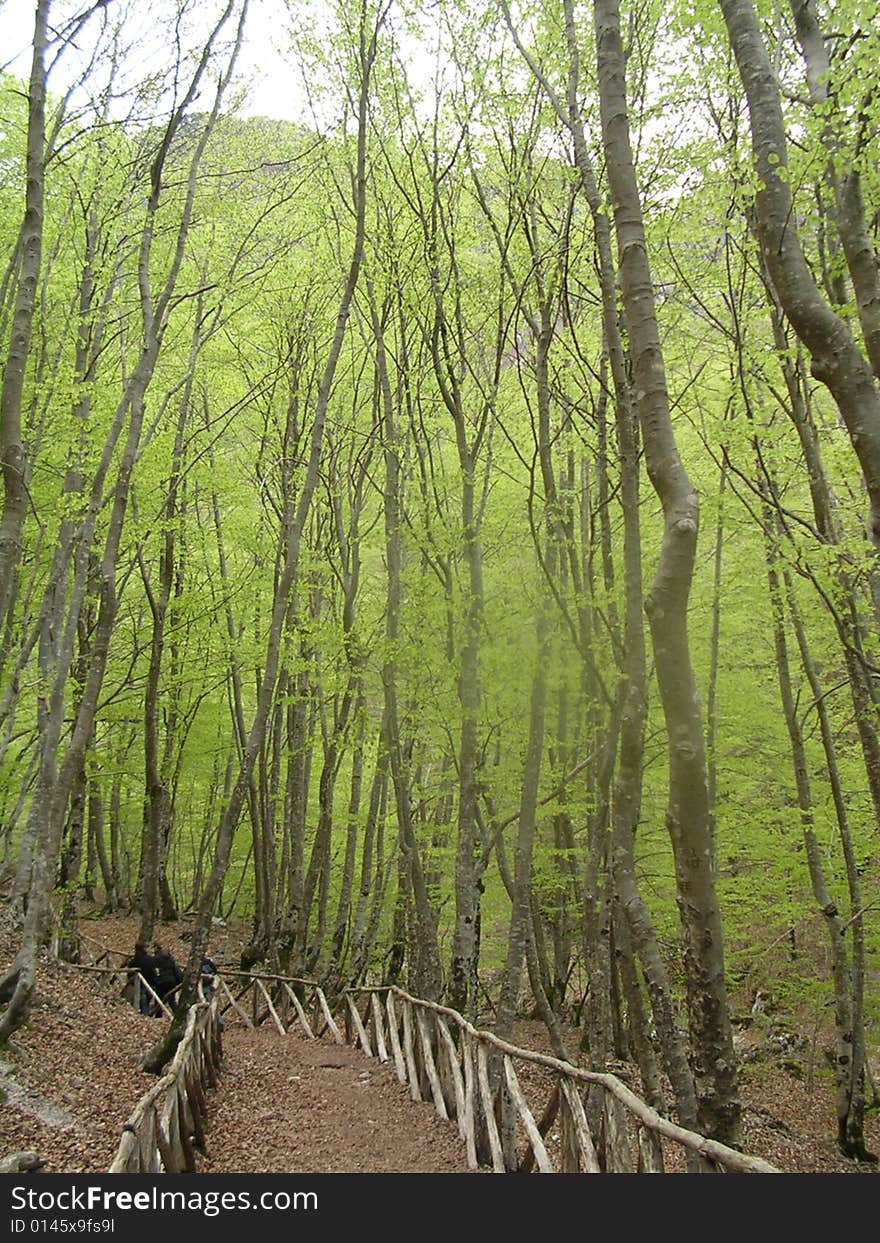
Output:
(167, 1126)
(601, 1126)
(285, 1000)
(591, 1122)
(109, 977)
(101, 959)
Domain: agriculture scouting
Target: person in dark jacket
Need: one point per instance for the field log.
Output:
(168, 971)
(143, 962)
(208, 971)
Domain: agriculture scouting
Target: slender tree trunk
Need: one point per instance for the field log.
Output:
(844, 608)
(366, 52)
(96, 834)
(426, 975)
(714, 655)
(296, 803)
(378, 795)
(850, 1104)
(851, 1129)
(30, 251)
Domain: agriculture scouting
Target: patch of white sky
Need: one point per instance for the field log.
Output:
(277, 76)
(263, 69)
(271, 78)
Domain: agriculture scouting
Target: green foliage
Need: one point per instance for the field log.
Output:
(473, 212)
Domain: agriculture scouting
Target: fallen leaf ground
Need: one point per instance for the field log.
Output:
(286, 1104)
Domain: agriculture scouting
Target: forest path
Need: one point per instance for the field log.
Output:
(286, 1104)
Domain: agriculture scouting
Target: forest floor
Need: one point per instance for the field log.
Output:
(285, 1104)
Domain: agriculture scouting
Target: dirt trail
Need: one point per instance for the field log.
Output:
(290, 1105)
(286, 1104)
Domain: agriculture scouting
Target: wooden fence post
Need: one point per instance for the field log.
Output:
(411, 1067)
(431, 1066)
(394, 1037)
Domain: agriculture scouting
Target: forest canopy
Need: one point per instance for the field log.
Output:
(442, 529)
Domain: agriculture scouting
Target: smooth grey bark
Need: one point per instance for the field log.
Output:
(29, 254)
(98, 838)
(56, 783)
(597, 915)
(296, 800)
(353, 728)
(714, 1062)
(628, 709)
(714, 656)
(491, 836)
(846, 178)
(48, 810)
(359, 955)
(471, 409)
(851, 1096)
(260, 933)
(524, 926)
(346, 717)
(845, 609)
(71, 854)
(837, 360)
(317, 874)
(342, 920)
(71, 578)
(157, 802)
(626, 801)
(519, 931)
(425, 973)
(382, 873)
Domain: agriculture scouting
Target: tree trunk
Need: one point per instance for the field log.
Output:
(850, 219)
(158, 1057)
(30, 249)
(666, 605)
(50, 807)
(836, 359)
(850, 1103)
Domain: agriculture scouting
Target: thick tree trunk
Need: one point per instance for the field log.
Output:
(836, 359)
(852, 227)
(639, 929)
(631, 697)
(688, 811)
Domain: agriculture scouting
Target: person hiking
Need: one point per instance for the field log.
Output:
(144, 963)
(168, 971)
